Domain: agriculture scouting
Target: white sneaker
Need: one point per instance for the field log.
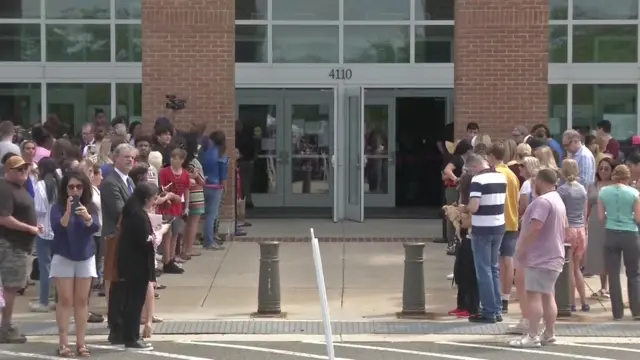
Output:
(520, 328)
(38, 308)
(547, 339)
(526, 341)
(450, 277)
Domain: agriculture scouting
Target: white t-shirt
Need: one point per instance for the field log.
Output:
(96, 202)
(525, 189)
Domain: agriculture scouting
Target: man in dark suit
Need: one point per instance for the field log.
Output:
(114, 191)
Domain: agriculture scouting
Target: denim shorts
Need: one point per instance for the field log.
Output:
(508, 245)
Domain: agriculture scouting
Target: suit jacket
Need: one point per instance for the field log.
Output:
(113, 194)
(136, 255)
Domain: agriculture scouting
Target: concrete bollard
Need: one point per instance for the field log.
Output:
(413, 292)
(269, 280)
(564, 285)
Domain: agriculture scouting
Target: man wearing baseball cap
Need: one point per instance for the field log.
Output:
(18, 229)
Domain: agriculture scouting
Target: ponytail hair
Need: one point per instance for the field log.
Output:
(570, 170)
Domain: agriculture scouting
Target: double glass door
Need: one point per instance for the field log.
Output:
(286, 137)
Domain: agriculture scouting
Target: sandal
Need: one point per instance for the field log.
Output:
(64, 352)
(83, 351)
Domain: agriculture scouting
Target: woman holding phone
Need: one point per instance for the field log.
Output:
(74, 220)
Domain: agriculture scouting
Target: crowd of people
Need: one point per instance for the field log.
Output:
(529, 199)
(109, 211)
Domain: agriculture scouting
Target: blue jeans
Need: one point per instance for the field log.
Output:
(212, 199)
(43, 248)
(486, 252)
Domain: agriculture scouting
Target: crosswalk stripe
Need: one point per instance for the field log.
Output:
(28, 355)
(261, 349)
(151, 353)
(401, 351)
(530, 351)
(603, 347)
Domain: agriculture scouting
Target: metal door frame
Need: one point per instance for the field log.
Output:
(353, 114)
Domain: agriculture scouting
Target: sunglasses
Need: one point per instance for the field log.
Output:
(78, 187)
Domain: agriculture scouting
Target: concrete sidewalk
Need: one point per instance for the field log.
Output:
(364, 282)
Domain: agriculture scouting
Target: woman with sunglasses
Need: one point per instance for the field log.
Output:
(74, 220)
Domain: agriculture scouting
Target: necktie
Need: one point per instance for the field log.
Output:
(130, 186)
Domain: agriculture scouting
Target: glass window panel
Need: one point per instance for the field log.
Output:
(376, 44)
(128, 43)
(82, 43)
(305, 10)
(377, 10)
(251, 44)
(77, 9)
(75, 104)
(19, 42)
(434, 9)
(605, 43)
(19, 9)
(605, 9)
(305, 44)
(251, 9)
(128, 9)
(129, 101)
(434, 44)
(20, 103)
(558, 43)
(616, 103)
(558, 9)
(557, 110)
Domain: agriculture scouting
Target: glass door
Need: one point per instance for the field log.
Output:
(354, 126)
(259, 139)
(379, 151)
(308, 148)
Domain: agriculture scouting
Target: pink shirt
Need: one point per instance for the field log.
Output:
(41, 153)
(547, 250)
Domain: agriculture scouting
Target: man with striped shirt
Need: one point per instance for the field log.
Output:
(486, 204)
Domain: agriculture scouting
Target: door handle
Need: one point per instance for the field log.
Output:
(392, 158)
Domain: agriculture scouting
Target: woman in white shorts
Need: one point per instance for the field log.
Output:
(74, 220)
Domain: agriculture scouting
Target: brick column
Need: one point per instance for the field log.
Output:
(188, 50)
(501, 62)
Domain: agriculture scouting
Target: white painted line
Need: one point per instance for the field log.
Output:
(262, 349)
(602, 347)
(151, 353)
(29, 355)
(401, 351)
(530, 351)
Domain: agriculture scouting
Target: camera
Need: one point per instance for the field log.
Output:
(174, 103)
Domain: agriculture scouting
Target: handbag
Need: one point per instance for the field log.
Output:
(112, 243)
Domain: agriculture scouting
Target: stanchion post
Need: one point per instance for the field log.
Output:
(564, 284)
(413, 291)
(269, 281)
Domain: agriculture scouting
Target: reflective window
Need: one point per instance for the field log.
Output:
(77, 9)
(251, 9)
(19, 9)
(434, 44)
(376, 44)
(605, 9)
(129, 101)
(557, 110)
(616, 103)
(251, 44)
(558, 9)
(434, 9)
(128, 43)
(558, 43)
(305, 10)
(75, 104)
(605, 43)
(20, 103)
(363, 10)
(82, 43)
(128, 9)
(19, 42)
(305, 44)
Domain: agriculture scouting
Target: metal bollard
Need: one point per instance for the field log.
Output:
(413, 292)
(564, 285)
(269, 280)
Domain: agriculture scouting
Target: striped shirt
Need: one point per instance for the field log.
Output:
(587, 165)
(43, 210)
(490, 187)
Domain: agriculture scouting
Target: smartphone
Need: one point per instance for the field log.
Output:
(91, 150)
(168, 221)
(76, 203)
